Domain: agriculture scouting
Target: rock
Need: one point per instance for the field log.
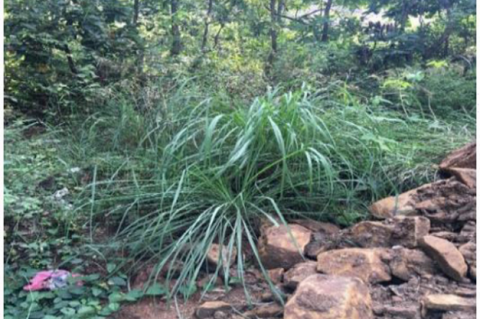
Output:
(277, 249)
(323, 242)
(362, 263)
(404, 312)
(276, 275)
(400, 230)
(408, 263)
(209, 281)
(444, 202)
(469, 253)
(221, 315)
(409, 230)
(298, 273)
(472, 272)
(464, 157)
(459, 315)
(330, 297)
(394, 205)
(272, 310)
(466, 176)
(317, 227)
(209, 308)
(370, 234)
(447, 235)
(468, 232)
(466, 292)
(446, 302)
(447, 255)
(219, 254)
(267, 296)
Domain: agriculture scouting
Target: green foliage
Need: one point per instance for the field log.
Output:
(211, 172)
(40, 233)
(439, 91)
(176, 124)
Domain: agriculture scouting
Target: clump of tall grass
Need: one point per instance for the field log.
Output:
(212, 172)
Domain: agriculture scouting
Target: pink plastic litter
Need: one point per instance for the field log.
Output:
(50, 280)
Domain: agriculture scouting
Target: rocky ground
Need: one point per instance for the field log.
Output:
(415, 259)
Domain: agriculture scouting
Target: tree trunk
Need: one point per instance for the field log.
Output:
(71, 64)
(207, 24)
(273, 31)
(216, 40)
(176, 43)
(326, 23)
(136, 10)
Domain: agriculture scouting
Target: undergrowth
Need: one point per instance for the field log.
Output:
(209, 172)
(159, 185)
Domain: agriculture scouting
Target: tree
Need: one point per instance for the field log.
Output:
(176, 36)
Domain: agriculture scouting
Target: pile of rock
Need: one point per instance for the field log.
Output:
(416, 260)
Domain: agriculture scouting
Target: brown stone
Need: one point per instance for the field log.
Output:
(404, 312)
(316, 226)
(283, 246)
(469, 252)
(447, 235)
(466, 292)
(221, 315)
(370, 234)
(447, 255)
(400, 230)
(209, 281)
(459, 315)
(271, 310)
(298, 273)
(394, 205)
(208, 309)
(362, 263)
(446, 302)
(443, 202)
(465, 157)
(276, 275)
(408, 263)
(468, 232)
(330, 297)
(466, 176)
(219, 254)
(323, 242)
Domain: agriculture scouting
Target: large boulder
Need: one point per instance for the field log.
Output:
(444, 202)
(447, 255)
(365, 264)
(330, 297)
(465, 157)
(283, 246)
